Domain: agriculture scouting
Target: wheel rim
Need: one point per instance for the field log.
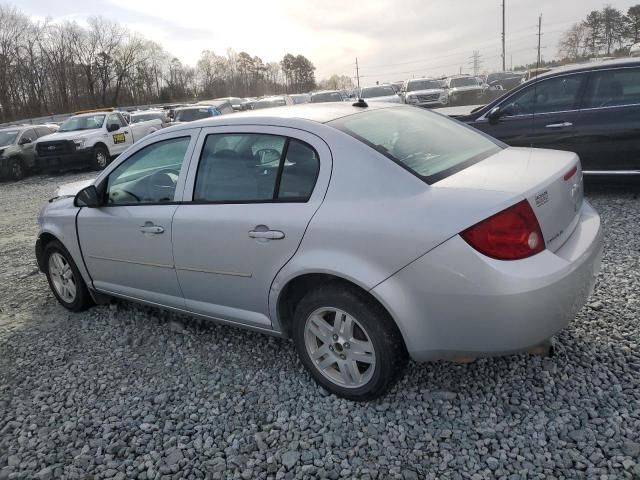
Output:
(101, 159)
(62, 277)
(339, 347)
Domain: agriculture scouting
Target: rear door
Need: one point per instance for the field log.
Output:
(610, 120)
(544, 115)
(245, 211)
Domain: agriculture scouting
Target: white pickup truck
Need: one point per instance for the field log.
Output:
(89, 139)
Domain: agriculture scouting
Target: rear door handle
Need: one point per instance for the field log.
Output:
(560, 125)
(150, 228)
(267, 234)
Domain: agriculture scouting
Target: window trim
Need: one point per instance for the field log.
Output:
(104, 182)
(276, 190)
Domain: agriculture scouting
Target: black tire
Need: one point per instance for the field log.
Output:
(390, 352)
(100, 158)
(16, 169)
(82, 299)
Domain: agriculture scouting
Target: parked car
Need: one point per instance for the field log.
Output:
(17, 149)
(194, 112)
(464, 90)
(506, 80)
(453, 244)
(327, 96)
(424, 92)
(380, 93)
(236, 103)
(88, 139)
(299, 98)
(591, 109)
(271, 102)
(155, 119)
(397, 86)
(223, 105)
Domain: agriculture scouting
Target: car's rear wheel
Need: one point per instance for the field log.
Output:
(348, 342)
(100, 158)
(16, 169)
(65, 280)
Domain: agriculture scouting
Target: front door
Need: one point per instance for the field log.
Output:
(544, 115)
(243, 216)
(126, 243)
(121, 138)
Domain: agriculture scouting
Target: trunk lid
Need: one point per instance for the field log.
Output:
(550, 180)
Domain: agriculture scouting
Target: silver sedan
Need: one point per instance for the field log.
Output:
(367, 234)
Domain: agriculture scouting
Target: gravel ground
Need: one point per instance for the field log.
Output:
(122, 391)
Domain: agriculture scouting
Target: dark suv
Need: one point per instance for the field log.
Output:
(591, 109)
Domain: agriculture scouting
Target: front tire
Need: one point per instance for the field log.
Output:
(348, 342)
(16, 169)
(100, 158)
(64, 279)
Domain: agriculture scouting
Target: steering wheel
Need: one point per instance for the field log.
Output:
(268, 155)
(162, 184)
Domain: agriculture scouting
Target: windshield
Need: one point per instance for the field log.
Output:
(326, 97)
(464, 82)
(86, 122)
(429, 145)
(191, 114)
(269, 103)
(377, 92)
(423, 85)
(7, 137)
(143, 117)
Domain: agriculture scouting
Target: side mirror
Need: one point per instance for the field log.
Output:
(24, 141)
(112, 127)
(494, 115)
(87, 197)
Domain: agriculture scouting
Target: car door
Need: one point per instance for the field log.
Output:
(245, 210)
(610, 120)
(545, 114)
(120, 138)
(126, 244)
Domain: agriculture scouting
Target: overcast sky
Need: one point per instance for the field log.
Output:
(393, 39)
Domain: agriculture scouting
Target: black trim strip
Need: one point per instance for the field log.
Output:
(283, 157)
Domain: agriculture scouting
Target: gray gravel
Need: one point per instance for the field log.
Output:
(124, 392)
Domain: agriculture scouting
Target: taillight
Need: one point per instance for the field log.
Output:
(511, 234)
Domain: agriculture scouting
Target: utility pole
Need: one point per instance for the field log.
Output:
(539, 36)
(357, 73)
(476, 62)
(504, 56)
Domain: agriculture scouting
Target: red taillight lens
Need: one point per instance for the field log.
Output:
(511, 234)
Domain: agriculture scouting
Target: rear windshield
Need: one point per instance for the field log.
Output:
(373, 92)
(326, 97)
(429, 145)
(143, 117)
(192, 114)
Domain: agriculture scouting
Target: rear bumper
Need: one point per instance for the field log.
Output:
(55, 162)
(455, 301)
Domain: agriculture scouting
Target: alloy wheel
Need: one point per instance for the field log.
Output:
(62, 277)
(101, 159)
(339, 347)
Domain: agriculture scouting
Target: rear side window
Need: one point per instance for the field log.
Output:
(429, 145)
(613, 88)
(253, 168)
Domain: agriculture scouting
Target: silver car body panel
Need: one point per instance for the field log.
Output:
(368, 221)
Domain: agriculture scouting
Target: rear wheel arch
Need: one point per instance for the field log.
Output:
(296, 288)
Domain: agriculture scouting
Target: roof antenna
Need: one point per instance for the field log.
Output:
(360, 103)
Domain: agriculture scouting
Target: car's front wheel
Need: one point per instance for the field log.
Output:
(348, 342)
(16, 169)
(100, 158)
(65, 280)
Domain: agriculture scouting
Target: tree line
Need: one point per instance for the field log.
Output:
(58, 67)
(608, 32)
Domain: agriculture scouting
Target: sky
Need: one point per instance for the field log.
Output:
(392, 39)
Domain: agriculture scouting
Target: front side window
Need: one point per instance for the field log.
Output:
(115, 120)
(613, 88)
(150, 175)
(557, 94)
(238, 168)
(429, 145)
(29, 135)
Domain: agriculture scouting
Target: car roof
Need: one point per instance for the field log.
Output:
(312, 112)
(588, 66)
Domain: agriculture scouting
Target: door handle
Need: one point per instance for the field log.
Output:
(560, 125)
(267, 234)
(126, 131)
(150, 228)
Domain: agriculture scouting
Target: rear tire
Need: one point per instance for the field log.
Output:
(348, 342)
(64, 279)
(16, 169)
(100, 158)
